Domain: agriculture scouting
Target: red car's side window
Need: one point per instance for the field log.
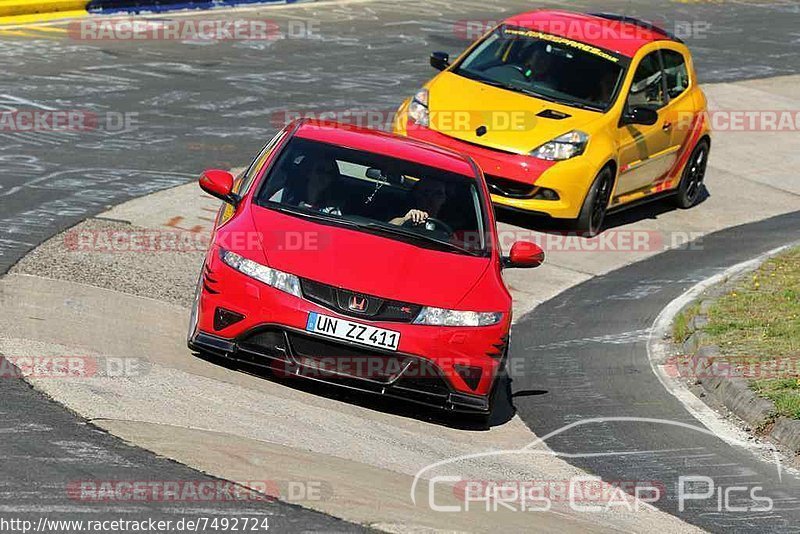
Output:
(245, 181)
(253, 171)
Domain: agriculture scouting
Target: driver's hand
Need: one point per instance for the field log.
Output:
(416, 216)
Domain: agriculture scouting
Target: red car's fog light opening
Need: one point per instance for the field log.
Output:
(470, 375)
(224, 318)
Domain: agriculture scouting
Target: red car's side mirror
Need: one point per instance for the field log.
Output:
(219, 183)
(524, 255)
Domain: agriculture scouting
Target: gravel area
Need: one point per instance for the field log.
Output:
(158, 264)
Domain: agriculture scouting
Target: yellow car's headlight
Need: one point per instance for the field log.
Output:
(566, 146)
(418, 108)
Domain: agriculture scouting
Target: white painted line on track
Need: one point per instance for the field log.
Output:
(658, 349)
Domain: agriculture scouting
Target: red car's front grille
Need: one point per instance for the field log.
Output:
(357, 304)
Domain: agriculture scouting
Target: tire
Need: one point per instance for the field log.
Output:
(691, 184)
(195, 314)
(501, 387)
(593, 212)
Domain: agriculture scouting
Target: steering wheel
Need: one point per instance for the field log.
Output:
(509, 72)
(438, 225)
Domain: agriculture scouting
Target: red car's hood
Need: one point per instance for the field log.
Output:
(365, 262)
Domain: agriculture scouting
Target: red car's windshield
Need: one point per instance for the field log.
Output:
(546, 66)
(379, 194)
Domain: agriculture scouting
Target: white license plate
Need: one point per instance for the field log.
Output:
(355, 332)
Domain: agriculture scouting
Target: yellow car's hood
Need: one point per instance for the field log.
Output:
(460, 106)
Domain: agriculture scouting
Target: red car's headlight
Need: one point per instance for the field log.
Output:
(442, 317)
(285, 282)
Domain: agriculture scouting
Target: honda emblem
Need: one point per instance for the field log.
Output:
(357, 303)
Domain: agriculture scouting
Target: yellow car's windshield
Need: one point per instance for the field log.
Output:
(545, 66)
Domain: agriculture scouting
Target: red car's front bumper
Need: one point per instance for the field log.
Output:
(433, 365)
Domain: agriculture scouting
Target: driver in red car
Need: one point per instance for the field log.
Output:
(318, 190)
(428, 198)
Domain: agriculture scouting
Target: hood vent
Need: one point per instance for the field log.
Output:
(553, 114)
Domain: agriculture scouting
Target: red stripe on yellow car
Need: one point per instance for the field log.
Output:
(698, 125)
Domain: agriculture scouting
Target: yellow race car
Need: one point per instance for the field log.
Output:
(570, 115)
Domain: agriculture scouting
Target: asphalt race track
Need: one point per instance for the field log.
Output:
(604, 371)
(202, 105)
(47, 449)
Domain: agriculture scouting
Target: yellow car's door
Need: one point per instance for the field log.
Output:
(646, 152)
(681, 109)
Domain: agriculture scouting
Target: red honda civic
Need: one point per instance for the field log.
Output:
(362, 259)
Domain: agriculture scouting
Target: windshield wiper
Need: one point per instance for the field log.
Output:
(507, 87)
(525, 91)
(317, 216)
(579, 105)
(556, 100)
(415, 236)
(483, 79)
(531, 92)
(494, 83)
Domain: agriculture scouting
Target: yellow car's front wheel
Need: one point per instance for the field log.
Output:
(593, 212)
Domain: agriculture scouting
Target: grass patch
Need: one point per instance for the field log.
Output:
(785, 393)
(759, 321)
(681, 326)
